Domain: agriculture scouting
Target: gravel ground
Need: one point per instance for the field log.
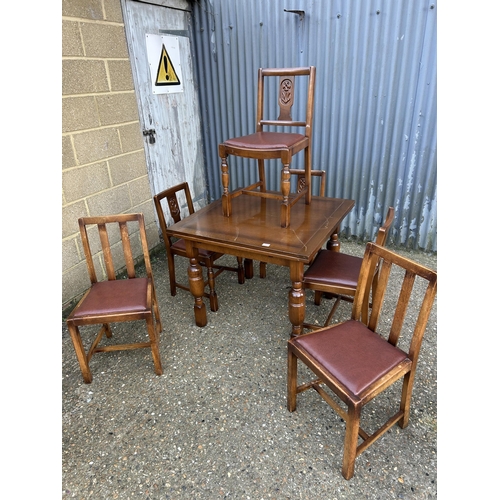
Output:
(215, 424)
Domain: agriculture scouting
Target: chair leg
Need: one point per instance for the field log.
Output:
(292, 381)
(307, 164)
(262, 270)
(317, 297)
(80, 352)
(365, 307)
(226, 196)
(214, 303)
(351, 441)
(107, 330)
(406, 392)
(156, 311)
(244, 270)
(333, 310)
(154, 345)
(262, 175)
(171, 274)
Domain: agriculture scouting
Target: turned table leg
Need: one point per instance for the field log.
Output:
(196, 284)
(334, 243)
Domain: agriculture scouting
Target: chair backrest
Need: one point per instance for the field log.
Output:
(415, 283)
(286, 97)
(114, 242)
(384, 229)
(375, 269)
(171, 195)
(301, 179)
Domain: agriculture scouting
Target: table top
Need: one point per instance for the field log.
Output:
(253, 229)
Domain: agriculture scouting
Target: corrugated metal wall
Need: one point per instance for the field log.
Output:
(375, 103)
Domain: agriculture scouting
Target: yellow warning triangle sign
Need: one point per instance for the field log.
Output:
(166, 74)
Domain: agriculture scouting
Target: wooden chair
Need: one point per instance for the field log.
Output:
(265, 145)
(357, 361)
(178, 247)
(300, 175)
(112, 300)
(336, 274)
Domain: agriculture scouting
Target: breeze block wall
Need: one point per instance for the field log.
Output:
(103, 161)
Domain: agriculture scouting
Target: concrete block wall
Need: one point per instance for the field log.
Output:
(103, 161)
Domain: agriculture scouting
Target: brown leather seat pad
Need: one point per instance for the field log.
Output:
(334, 268)
(108, 297)
(265, 140)
(352, 353)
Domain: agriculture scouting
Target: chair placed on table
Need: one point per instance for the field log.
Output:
(173, 248)
(336, 274)
(112, 300)
(300, 186)
(357, 361)
(266, 145)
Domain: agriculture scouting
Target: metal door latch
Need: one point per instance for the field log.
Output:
(151, 132)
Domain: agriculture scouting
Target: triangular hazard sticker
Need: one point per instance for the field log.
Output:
(166, 74)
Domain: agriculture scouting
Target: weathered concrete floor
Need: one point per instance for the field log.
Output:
(215, 424)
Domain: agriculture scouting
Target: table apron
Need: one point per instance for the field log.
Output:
(254, 254)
